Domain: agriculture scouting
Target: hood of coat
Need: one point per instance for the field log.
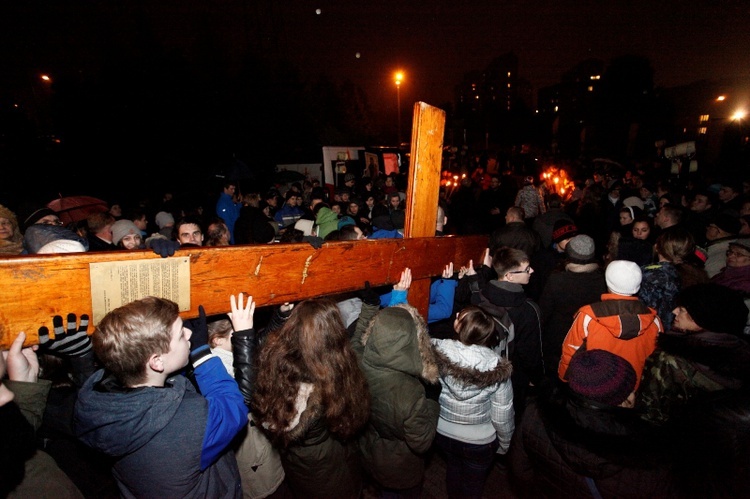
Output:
(459, 362)
(505, 294)
(625, 317)
(104, 413)
(397, 339)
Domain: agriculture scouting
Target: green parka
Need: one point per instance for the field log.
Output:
(395, 353)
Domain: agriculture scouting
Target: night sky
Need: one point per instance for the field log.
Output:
(434, 42)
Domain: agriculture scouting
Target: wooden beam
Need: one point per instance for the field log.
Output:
(424, 188)
(35, 288)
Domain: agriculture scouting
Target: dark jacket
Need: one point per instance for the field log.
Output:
(169, 441)
(561, 445)
(396, 355)
(689, 366)
(565, 292)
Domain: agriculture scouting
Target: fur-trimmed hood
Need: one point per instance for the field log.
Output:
(397, 339)
(460, 362)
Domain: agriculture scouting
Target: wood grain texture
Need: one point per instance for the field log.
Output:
(35, 288)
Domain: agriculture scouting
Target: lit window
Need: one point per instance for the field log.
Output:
(508, 85)
(557, 108)
(704, 118)
(702, 130)
(595, 77)
(591, 88)
(508, 74)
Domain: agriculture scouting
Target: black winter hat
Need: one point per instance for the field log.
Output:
(715, 307)
(563, 229)
(601, 376)
(727, 223)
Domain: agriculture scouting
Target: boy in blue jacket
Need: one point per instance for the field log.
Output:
(168, 439)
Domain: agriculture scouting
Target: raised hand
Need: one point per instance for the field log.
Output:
(69, 341)
(405, 282)
(21, 363)
(448, 271)
(486, 258)
(242, 313)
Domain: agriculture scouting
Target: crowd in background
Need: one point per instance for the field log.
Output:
(601, 347)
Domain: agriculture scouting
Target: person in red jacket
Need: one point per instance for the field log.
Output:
(620, 323)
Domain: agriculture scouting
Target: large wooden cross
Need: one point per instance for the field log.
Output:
(35, 288)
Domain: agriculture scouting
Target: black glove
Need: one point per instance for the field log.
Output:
(199, 327)
(164, 247)
(315, 241)
(70, 342)
(431, 391)
(369, 296)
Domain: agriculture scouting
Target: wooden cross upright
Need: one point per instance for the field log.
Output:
(33, 289)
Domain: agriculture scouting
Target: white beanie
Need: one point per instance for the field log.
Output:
(623, 277)
(163, 219)
(122, 228)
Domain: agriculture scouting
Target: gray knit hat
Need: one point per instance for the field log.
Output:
(580, 249)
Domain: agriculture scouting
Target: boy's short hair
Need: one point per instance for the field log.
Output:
(127, 336)
(506, 259)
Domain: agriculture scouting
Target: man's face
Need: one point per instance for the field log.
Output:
(700, 204)
(661, 219)
(726, 194)
(494, 183)
(190, 234)
(230, 190)
(292, 201)
(353, 208)
(141, 223)
(179, 348)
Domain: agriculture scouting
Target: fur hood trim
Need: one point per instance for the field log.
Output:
(469, 376)
(429, 371)
(580, 268)
(310, 403)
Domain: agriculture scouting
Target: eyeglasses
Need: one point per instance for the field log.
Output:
(737, 254)
(527, 270)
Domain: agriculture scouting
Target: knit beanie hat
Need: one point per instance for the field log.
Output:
(714, 307)
(633, 202)
(346, 220)
(562, 230)
(32, 214)
(580, 249)
(727, 223)
(61, 246)
(623, 277)
(163, 219)
(122, 228)
(601, 376)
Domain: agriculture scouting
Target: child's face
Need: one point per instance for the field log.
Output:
(179, 348)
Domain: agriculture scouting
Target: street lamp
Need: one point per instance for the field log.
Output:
(399, 77)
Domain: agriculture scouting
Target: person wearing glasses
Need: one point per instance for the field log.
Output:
(736, 275)
(504, 298)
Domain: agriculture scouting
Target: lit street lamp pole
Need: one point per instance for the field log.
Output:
(399, 79)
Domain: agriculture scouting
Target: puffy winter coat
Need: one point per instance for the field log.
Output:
(476, 391)
(396, 355)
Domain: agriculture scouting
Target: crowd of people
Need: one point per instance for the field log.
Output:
(601, 347)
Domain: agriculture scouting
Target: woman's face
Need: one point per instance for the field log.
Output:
(737, 257)
(683, 321)
(6, 229)
(641, 230)
(625, 217)
(370, 201)
(131, 241)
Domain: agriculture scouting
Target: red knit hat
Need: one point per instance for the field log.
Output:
(601, 376)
